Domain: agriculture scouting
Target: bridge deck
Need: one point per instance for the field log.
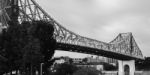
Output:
(81, 49)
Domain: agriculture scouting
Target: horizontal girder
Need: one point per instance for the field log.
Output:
(93, 51)
(29, 10)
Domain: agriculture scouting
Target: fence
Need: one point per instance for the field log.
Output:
(109, 72)
(116, 73)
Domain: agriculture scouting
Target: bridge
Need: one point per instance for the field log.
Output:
(123, 47)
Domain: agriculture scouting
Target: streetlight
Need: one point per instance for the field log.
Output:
(41, 65)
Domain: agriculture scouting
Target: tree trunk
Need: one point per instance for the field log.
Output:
(10, 72)
(16, 72)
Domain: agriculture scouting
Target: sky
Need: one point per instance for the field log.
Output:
(102, 19)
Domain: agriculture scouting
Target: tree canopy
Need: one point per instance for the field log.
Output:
(143, 64)
(63, 69)
(87, 71)
(27, 43)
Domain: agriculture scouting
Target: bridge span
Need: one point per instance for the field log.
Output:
(123, 47)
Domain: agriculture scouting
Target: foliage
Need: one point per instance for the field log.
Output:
(70, 60)
(27, 43)
(85, 60)
(143, 64)
(87, 71)
(63, 69)
(109, 67)
(3, 67)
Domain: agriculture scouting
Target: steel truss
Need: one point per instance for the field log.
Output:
(29, 10)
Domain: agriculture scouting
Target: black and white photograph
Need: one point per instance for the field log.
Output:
(74, 37)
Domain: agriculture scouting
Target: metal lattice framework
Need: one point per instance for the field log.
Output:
(29, 10)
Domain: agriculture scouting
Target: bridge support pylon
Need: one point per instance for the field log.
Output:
(126, 67)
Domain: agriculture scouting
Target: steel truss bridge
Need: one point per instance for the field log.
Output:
(123, 47)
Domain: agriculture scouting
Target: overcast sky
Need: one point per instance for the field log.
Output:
(103, 19)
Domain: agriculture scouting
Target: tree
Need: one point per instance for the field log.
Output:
(44, 32)
(109, 67)
(142, 64)
(63, 69)
(87, 71)
(27, 44)
(85, 60)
